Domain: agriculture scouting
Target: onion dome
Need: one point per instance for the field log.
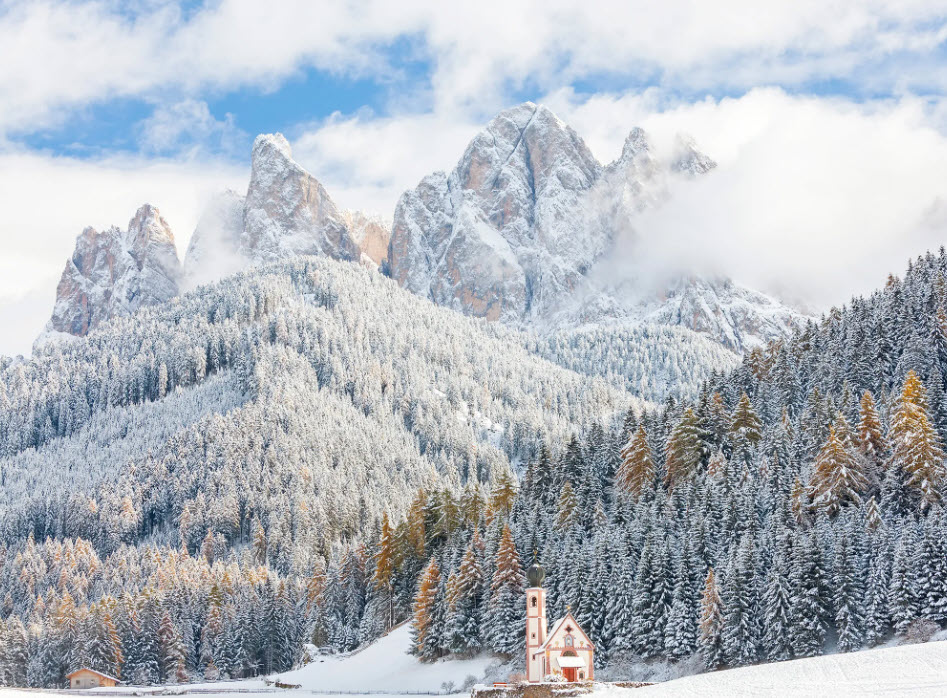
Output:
(535, 575)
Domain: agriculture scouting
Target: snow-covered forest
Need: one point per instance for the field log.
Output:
(308, 453)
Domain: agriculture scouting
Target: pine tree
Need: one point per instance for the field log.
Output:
(652, 598)
(902, 591)
(745, 428)
(810, 599)
(877, 619)
(741, 631)
(620, 609)
(848, 590)
(838, 478)
(636, 473)
(684, 450)
(680, 633)
(777, 611)
(710, 640)
(506, 626)
(466, 619)
(916, 447)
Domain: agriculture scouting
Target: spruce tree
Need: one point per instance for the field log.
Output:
(848, 591)
(741, 627)
(506, 624)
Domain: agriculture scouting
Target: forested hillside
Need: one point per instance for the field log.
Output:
(310, 453)
(244, 432)
(794, 508)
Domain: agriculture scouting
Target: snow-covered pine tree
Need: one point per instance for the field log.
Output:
(636, 473)
(915, 445)
(465, 619)
(424, 611)
(741, 625)
(838, 478)
(848, 595)
(710, 639)
(505, 622)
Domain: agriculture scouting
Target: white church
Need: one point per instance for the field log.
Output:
(566, 651)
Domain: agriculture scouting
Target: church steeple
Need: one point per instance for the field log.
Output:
(535, 622)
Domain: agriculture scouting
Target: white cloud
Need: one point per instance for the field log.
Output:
(187, 127)
(366, 162)
(58, 56)
(814, 198)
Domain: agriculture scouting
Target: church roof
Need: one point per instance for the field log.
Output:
(558, 624)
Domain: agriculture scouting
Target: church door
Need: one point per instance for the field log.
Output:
(569, 673)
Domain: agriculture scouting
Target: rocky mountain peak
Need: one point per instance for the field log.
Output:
(519, 228)
(115, 272)
(688, 159)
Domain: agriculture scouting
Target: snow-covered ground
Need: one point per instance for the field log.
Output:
(385, 669)
(911, 670)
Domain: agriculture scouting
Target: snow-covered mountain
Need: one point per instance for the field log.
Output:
(528, 229)
(517, 231)
(285, 213)
(116, 272)
(503, 236)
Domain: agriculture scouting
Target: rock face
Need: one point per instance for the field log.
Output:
(518, 231)
(501, 236)
(116, 272)
(286, 212)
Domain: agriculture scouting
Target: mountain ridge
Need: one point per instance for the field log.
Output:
(517, 232)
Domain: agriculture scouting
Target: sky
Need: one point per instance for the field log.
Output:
(828, 119)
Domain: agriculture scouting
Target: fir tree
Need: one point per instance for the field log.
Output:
(506, 615)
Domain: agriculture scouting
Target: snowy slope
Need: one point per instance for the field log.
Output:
(386, 666)
(916, 670)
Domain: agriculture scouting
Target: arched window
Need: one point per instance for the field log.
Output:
(534, 602)
(569, 641)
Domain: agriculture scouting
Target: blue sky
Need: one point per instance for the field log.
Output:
(107, 104)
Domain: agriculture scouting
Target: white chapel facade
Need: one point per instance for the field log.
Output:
(565, 651)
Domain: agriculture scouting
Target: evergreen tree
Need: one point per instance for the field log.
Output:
(684, 450)
(741, 631)
(506, 627)
(849, 591)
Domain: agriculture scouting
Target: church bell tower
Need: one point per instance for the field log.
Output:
(535, 624)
